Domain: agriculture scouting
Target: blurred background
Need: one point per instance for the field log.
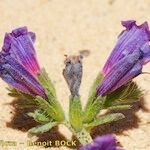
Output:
(68, 27)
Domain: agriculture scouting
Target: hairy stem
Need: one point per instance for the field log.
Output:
(83, 136)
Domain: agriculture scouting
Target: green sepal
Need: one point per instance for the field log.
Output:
(105, 119)
(39, 116)
(75, 113)
(41, 128)
(124, 95)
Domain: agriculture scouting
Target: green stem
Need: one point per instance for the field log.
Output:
(83, 136)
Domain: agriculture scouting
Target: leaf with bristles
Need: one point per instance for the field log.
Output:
(24, 100)
(41, 128)
(46, 82)
(93, 110)
(75, 113)
(95, 102)
(119, 107)
(15, 93)
(126, 94)
(40, 116)
(92, 93)
(55, 112)
(56, 109)
(105, 119)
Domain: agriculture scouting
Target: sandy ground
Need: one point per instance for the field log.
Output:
(65, 27)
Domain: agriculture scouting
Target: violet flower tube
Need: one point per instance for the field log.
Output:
(105, 142)
(126, 61)
(18, 64)
(19, 45)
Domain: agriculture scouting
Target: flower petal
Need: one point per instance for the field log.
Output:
(128, 24)
(105, 142)
(146, 54)
(19, 44)
(131, 39)
(18, 77)
(117, 72)
(135, 71)
(11, 81)
(19, 31)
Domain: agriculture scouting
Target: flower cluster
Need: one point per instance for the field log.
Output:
(20, 69)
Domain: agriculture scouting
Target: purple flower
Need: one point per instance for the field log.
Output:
(19, 45)
(105, 142)
(131, 39)
(126, 61)
(18, 65)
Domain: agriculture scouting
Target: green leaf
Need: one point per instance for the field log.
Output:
(92, 93)
(56, 109)
(124, 95)
(54, 112)
(105, 119)
(119, 107)
(44, 105)
(15, 93)
(25, 100)
(75, 113)
(95, 102)
(92, 110)
(41, 128)
(40, 117)
(25, 104)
